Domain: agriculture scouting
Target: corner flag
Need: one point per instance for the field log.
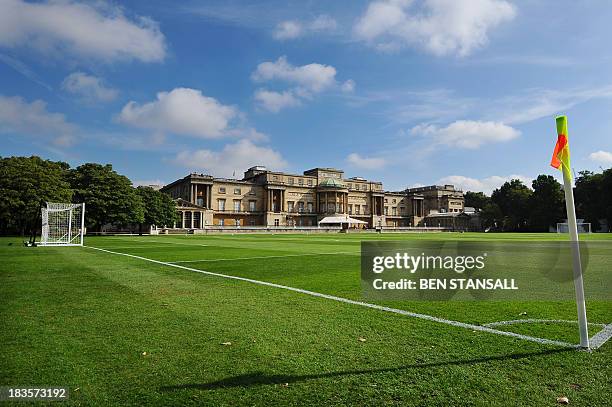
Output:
(561, 160)
(561, 155)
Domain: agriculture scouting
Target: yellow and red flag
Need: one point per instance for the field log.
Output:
(561, 155)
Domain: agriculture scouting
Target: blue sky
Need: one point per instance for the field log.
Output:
(406, 92)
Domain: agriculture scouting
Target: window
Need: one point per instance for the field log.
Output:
(221, 204)
(386, 200)
(290, 181)
(221, 222)
(221, 190)
(252, 205)
(386, 210)
(252, 223)
(276, 222)
(252, 192)
(300, 181)
(237, 191)
(310, 207)
(394, 210)
(394, 200)
(309, 182)
(236, 205)
(237, 222)
(290, 206)
(300, 207)
(357, 209)
(350, 209)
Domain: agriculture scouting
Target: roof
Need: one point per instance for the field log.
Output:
(341, 219)
(331, 183)
(446, 214)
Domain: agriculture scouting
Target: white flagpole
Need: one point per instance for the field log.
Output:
(577, 266)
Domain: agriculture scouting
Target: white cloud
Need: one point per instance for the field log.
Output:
(348, 86)
(601, 156)
(288, 30)
(88, 88)
(441, 27)
(275, 101)
(535, 104)
(182, 111)
(486, 185)
(323, 23)
(95, 30)
(23, 69)
(307, 80)
(291, 29)
(32, 119)
(312, 77)
(467, 133)
(366, 163)
(233, 158)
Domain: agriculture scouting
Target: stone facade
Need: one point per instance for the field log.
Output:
(269, 198)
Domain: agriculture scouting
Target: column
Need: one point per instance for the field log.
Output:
(326, 202)
(191, 220)
(182, 219)
(335, 202)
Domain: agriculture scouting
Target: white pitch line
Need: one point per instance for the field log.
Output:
(353, 302)
(264, 257)
(601, 337)
(537, 321)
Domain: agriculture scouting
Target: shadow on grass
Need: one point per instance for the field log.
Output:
(260, 378)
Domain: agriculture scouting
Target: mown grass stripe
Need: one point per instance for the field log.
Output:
(472, 327)
(267, 257)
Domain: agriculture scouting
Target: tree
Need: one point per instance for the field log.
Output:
(606, 189)
(25, 184)
(589, 197)
(491, 216)
(476, 200)
(159, 208)
(546, 203)
(513, 201)
(108, 196)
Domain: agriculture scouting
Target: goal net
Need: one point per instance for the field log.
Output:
(63, 224)
(582, 227)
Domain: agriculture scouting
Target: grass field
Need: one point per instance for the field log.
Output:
(84, 318)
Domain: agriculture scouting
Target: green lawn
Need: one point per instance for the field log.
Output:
(82, 318)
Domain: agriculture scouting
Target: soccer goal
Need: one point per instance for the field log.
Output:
(582, 227)
(63, 224)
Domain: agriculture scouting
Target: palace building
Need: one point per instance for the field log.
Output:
(269, 198)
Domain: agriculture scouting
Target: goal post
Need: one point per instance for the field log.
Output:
(63, 224)
(583, 227)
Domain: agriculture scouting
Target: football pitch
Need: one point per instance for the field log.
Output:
(279, 319)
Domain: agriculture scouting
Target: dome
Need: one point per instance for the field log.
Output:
(331, 183)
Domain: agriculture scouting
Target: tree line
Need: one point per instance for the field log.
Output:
(26, 183)
(514, 207)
